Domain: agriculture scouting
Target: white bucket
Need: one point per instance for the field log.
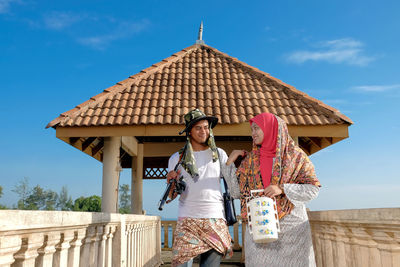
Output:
(262, 216)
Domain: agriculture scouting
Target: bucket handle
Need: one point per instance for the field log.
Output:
(277, 218)
(256, 191)
(248, 219)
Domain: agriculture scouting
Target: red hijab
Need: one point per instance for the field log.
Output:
(269, 125)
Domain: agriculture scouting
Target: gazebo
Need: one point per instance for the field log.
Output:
(135, 123)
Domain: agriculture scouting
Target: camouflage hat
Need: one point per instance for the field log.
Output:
(197, 115)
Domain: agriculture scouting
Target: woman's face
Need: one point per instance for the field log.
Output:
(257, 134)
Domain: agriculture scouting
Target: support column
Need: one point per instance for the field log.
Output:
(137, 182)
(109, 200)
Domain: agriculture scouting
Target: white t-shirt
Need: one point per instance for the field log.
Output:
(201, 199)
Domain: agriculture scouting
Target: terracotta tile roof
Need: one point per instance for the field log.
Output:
(199, 77)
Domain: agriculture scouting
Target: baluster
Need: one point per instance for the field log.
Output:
(74, 254)
(150, 243)
(102, 246)
(28, 252)
(137, 244)
(8, 246)
(94, 247)
(158, 233)
(60, 258)
(243, 256)
(387, 246)
(318, 247)
(85, 249)
(166, 231)
(236, 245)
(173, 226)
(339, 253)
(147, 243)
(48, 249)
(129, 244)
(109, 249)
(361, 244)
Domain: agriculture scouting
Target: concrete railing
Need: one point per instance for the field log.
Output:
(362, 237)
(344, 238)
(60, 238)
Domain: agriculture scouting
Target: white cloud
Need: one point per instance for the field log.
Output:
(123, 30)
(5, 5)
(376, 88)
(60, 20)
(347, 50)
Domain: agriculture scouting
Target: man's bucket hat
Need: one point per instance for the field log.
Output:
(197, 115)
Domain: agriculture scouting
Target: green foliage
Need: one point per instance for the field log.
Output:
(22, 190)
(38, 198)
(124, 199)
(51, 199)
(1, 194)
(64, 201)
(92, 203)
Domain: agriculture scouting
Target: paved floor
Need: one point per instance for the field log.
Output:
(234, 261)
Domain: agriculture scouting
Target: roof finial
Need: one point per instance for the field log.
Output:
(200, 35)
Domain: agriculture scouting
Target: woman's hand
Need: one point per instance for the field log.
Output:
(234, 155)
(272, 191)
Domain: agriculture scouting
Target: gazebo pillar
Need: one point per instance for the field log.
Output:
(137, 181)
(109, 200)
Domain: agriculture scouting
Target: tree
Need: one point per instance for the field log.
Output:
(51, 199)
(39, 199)
(2, 207)
(92, 203)
(36, 199)
(64, 201)
(22, 189)
(124, 199)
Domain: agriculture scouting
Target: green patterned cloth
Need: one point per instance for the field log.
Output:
(188, 161)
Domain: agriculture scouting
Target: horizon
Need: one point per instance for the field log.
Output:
(56, 55)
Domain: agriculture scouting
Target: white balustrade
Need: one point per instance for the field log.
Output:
(362, 237)
(73, 239)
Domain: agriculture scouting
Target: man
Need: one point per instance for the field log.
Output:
(201, 228)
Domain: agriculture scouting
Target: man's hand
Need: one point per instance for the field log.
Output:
(272, 191)
(234, 155)
(172, 175)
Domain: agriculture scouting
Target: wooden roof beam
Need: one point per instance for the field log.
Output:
(73, 140)
(87, 143)
(316, 141)
(130, 145)
(98, 147)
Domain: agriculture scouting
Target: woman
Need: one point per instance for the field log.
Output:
(284, 171)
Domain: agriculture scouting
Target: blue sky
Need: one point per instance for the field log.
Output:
(57, 54)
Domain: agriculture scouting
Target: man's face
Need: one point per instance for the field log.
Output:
(200, 132)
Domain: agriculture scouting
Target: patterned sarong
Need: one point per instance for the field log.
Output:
(195, 236)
